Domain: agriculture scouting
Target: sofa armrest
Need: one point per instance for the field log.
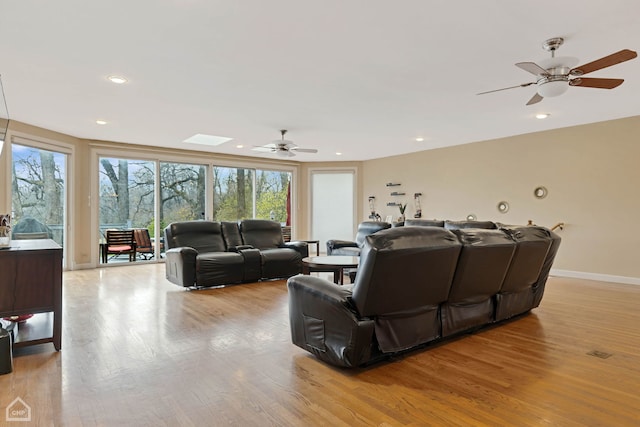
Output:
(301, 247)
(180, 266)
(335, 244)
(324, 322)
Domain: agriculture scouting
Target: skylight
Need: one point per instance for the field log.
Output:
(203, 139)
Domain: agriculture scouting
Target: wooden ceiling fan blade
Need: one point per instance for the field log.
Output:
(607, 61)
(596, 83)
(505, 88)
(535, 99)
(533, 68)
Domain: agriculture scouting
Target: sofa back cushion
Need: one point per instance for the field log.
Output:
(261, 233)
(366, 228)
(403, 269)
(203, 236)
(532, 245)
(458, 225)
(482, 265)
(546, 268)
(231, 234)
(418, 222)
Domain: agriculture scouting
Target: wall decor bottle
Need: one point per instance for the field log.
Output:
(5, 230)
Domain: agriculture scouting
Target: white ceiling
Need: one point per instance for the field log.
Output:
(362, 77)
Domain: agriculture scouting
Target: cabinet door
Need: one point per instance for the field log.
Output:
(7, 277)
(34, 281)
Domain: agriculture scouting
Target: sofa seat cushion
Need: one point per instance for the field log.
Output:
(346, 251)
(280, 262)
(219, 268)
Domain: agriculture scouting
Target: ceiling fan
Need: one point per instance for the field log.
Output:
(554, 75)
(283, 147)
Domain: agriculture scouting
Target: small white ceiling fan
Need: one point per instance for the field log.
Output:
(283, 147)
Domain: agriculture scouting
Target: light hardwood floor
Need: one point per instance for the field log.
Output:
(140, 351)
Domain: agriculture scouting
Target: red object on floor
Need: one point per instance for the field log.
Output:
(19, 319)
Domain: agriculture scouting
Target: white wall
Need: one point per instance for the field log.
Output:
(592, 173)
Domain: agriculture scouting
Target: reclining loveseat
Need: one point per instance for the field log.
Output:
(419, 284)
(209, 253)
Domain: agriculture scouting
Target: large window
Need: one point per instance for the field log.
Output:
(38, 193)
(232, 193)
(273, 196)
(126, 193)
(250, 193)
(182, 192)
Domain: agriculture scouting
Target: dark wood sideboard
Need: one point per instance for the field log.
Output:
(31, 283)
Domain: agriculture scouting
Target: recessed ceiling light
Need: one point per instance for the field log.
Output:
(203, 139)
(101, 122)
(419, 139)
(542, 115)
(239, 146)
(338, 153)
(117, 79)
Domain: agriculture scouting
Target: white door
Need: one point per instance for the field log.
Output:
(332, 206)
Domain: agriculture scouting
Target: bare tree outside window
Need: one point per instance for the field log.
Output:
(233, 194)
(38, 188)
(182, 189)
(127, 193)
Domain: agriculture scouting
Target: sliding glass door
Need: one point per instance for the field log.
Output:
(127, 202)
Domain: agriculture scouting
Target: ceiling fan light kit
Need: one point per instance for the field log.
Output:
(554, 75)
(551, 86)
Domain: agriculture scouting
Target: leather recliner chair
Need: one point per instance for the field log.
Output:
(352, 248)
(403, 277)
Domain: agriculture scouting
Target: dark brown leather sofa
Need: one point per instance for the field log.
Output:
(209, 253)
(419, 284)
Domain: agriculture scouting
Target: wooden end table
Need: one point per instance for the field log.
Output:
(313, 242)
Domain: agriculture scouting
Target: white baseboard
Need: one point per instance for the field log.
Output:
(554, 272)
(83, 266)
(596, 276)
